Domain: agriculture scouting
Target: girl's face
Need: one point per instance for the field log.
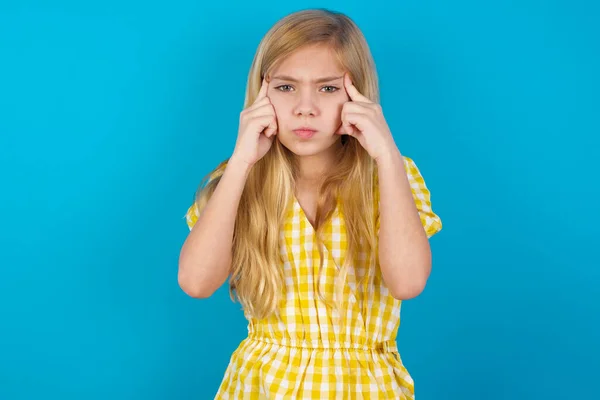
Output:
(307, 90)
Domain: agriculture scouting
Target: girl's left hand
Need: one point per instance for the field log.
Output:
(364, 120)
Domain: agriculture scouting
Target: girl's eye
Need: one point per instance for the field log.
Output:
(333, 88)
(279, 88)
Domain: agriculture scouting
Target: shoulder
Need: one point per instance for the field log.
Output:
(422, 197)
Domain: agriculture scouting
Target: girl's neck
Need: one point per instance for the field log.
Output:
(314, 168)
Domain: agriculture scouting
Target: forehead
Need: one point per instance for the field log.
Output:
(309, 62)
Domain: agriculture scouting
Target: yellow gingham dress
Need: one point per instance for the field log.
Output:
(306, 351)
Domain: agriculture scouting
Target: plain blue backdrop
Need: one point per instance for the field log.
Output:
(112, 111)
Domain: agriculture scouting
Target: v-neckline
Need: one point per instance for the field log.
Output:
(302, 212)
(305, 217)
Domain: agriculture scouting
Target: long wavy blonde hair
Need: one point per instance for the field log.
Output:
(256, 276)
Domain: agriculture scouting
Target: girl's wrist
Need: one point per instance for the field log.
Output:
(238, 165)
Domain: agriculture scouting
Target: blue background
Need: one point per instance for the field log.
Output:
(111, 112)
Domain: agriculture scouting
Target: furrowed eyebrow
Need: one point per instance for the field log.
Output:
(319, 80)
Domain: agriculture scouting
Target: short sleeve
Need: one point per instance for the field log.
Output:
(192, 214)
(432, 223)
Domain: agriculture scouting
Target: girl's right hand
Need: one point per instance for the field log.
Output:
(257, 130)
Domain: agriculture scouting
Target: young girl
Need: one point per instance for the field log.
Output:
(317, 219)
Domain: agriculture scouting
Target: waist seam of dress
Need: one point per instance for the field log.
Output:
(385, 346)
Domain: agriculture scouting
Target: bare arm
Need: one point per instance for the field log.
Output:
(404, 251)
(205, 257)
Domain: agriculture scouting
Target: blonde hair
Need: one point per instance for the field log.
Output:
(256, 274)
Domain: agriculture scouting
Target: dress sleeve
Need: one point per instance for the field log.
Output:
(192, 214)
(432, 223)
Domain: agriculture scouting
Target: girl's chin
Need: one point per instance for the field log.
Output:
(311, 147)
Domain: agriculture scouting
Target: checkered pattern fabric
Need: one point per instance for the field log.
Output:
(310, 351)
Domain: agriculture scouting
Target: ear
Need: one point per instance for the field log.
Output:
(340, 130)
